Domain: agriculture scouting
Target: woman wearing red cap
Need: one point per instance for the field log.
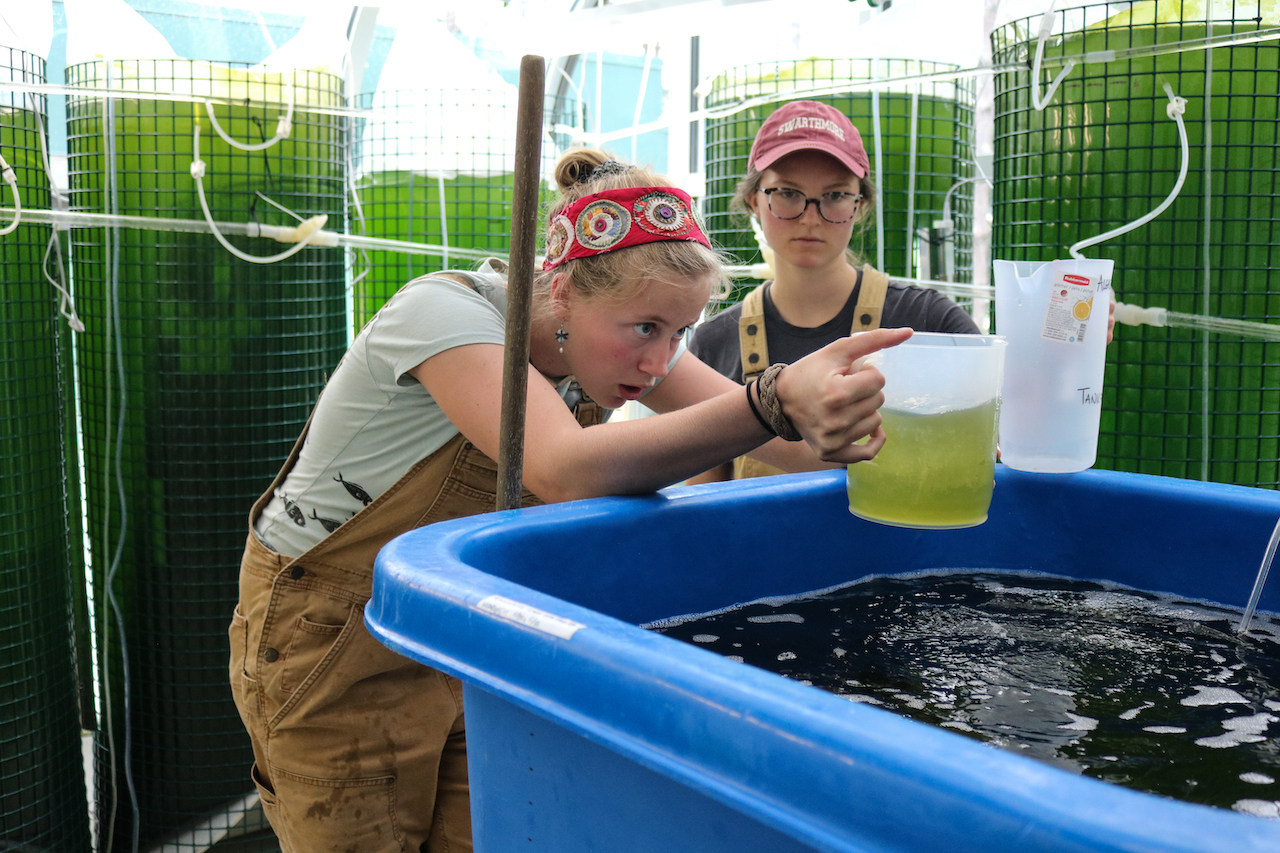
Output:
(357, 748)
(807, 186)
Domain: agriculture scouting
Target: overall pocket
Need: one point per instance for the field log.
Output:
(310, 814)
(309, 645)
(238, 636)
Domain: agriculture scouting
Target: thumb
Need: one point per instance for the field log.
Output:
(853, 349)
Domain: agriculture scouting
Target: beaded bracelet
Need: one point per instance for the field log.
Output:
(778, 420)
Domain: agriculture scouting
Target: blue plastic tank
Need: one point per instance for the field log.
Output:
(588, 733)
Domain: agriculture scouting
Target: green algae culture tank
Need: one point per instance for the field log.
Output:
(198, 371)
(436, 166)
(42, 790)
(930, 122)
(1176, 401)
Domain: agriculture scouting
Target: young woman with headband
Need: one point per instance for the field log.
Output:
(357, 748)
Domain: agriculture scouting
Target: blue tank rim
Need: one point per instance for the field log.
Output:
(976, 795)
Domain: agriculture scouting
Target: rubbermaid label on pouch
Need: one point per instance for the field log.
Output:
(530, 617)
(1070, 306)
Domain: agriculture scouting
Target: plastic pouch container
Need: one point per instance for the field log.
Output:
(941, 410)
(1054, 316)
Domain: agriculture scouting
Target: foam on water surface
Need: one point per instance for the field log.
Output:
(1143, 690)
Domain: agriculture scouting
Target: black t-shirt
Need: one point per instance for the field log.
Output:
(920, 308)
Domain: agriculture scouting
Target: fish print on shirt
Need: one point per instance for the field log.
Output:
(329, 524)
(292, 509)
(354, 490)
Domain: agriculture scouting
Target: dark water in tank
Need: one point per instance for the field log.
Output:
(1143, 690)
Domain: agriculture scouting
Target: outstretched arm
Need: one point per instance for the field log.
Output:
(834, 370)
(831, 404)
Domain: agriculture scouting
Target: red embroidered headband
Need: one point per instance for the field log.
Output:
(618, 219)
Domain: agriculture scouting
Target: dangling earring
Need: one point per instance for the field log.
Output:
(561, 337)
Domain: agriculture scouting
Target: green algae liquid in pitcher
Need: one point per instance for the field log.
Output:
(940, 416)
(935, 470)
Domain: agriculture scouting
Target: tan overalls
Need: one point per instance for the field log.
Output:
(355, 747)
(755, 348)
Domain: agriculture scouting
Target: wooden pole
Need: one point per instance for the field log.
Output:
(524, 223)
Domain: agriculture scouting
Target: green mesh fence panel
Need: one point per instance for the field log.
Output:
(43, 805)
(1103, 154)
(943, 151)
(215, 367)
(435, 166)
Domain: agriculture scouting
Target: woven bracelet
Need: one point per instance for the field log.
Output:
(778, 420)
(752, 403)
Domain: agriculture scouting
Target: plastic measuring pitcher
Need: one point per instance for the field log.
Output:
(940, 413)
(1054, 315)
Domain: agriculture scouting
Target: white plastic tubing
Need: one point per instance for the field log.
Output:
(7, 173)
(1175, 109)
(308, 232)
(284, 126)
(302, 236)
(1046, 28)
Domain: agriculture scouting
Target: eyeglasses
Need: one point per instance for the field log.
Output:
(836, 207)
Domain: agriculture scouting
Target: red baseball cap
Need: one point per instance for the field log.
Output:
(805, 125)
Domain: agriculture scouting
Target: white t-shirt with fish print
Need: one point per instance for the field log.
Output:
(374, 421)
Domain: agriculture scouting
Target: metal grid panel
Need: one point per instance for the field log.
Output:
(943, 143)
(436, 166)
(42, 791)
(1104, 153)
(219, 362)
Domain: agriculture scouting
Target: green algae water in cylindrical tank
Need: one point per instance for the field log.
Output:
(1104, 152)
(940, 416)
(42, 789)
(198, 371)
(930, 122)
(436, 166)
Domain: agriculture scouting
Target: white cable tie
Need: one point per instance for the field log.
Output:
(197, 169)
